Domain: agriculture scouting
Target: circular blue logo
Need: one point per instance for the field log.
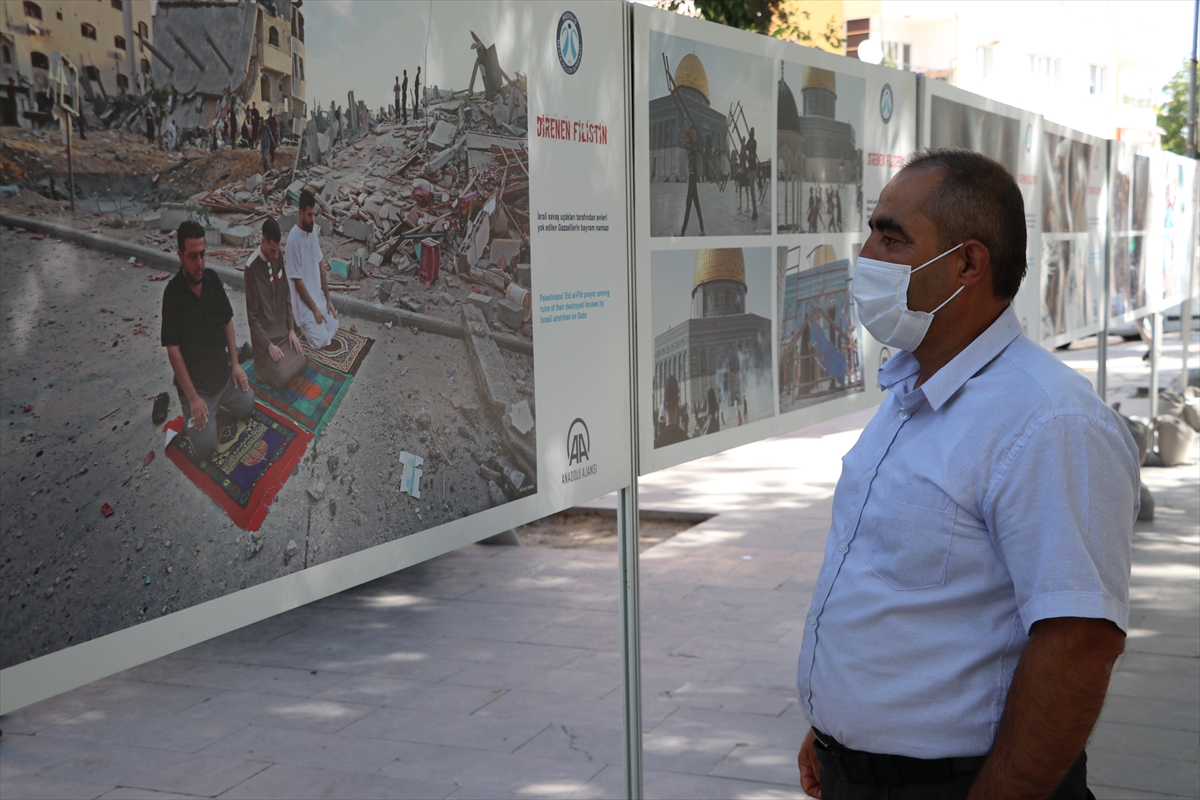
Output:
(569, 42)
(1028, 137)
(885, 103)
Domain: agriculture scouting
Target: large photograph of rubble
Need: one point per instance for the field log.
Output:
(820, 174)
(711, 312)
(323, 341)
(1071, 185)
(710, 139)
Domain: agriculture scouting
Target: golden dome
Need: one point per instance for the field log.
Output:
(690, 72)
(815, 78)
(823, 254)
(726, 264)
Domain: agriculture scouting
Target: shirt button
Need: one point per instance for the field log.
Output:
(842, 547)
(903, 415)
(812, 621)
(871, 472)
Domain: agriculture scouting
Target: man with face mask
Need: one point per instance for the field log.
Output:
(197, 330)
(311, 304)
(974, 594)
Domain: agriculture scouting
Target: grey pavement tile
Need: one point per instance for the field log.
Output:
(599, 745)
(158, 670)
(34, 718)
(1160, 664)
(460, 730)
(22, 754)
(308, 749)
(1187, 646)
(588, 638)
(269, 629)
(574, 683)
(162, 770)
(1115, 793)
(1157, 686)
(1146, 773)
(129, 793)
(731, 697)
(401, 693)
(306, 783)
(663, 785)
(281, 711)
(569, 596)
(539, 655)
(151, 731)
(255, 678)
(555, 708)
(522, 774)
(483, 793)
(1170, 624)
(715, 647)
(760, 763)
(1171, 714)
(733, 727)
(1118, 737)
(31, 788)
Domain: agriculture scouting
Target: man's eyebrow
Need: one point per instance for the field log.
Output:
(886, 224)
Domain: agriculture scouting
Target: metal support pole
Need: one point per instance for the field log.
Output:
(1155, 346)
(1185, 339)
(631, 640)
(1105, 297)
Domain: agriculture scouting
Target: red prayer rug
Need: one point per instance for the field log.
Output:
(253, 461)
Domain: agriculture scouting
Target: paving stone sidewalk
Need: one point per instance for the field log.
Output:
(493, 672)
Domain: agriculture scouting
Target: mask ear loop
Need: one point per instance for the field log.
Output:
(935, 258)
(948, 299)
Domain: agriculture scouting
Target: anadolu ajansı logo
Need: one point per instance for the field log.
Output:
(579, 446)
(569, 42)
(579, 441)
(885, 103)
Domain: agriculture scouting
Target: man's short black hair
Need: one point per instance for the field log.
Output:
(671, 392)
(188, 229)
(978, 198)
(307, 199)
(270, 229)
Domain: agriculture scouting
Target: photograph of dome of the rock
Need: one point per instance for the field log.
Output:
(820, 156)
(710, 140)
(712, 344)
(818, 330)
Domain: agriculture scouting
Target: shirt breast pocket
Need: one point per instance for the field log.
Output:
(910, 542)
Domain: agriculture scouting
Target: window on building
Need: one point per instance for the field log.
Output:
(87, 31)
(302, 69)
(1044, 69)
(39, 60)
(898, 55)
(58, 14)
(143, 30)
(856, 31)
(1095, 79)
(33, 10)
(119, 42)
(985, 58)
(6, 53)
(266, 89)
(145, 66)
(273, 36)
(119, 5)
(92, 72)
(122, 81)
(300, 24)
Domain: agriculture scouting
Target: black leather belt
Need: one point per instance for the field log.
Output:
(857, 766)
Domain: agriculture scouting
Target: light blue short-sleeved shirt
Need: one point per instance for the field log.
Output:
(1001, 492)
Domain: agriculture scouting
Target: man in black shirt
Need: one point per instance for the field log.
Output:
(692, 145)
(197, 330)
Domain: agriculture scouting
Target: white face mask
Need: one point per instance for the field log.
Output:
(881, 290)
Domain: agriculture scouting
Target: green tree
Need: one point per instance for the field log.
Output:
(749, 15)
(793, 30)
(1172, 115)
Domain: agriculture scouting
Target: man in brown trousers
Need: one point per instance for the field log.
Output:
(277, 354)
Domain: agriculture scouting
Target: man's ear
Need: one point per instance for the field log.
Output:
(976, 264)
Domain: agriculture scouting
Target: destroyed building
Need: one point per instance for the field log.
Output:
(211, 51)
(109, 41)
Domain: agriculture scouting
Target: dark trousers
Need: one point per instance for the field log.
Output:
(233, 399)
(693, 197)
(1073, 787)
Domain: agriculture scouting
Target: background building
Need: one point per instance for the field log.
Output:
(249, 49)
(107, 40)
(1094, 65)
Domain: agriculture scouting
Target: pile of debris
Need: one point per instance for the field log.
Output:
(442, 201)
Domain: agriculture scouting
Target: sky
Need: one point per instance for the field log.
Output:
(673, 272)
